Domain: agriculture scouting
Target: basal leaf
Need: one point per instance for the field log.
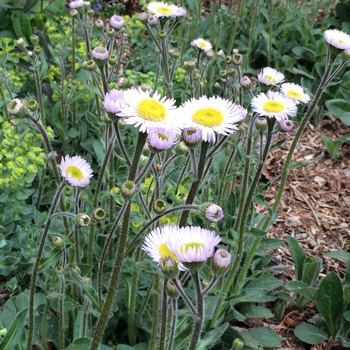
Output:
(310, 334)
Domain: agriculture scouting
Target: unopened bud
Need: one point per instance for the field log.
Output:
(231, 71)
(221, 261)
(99, 24)
(99, 214)
(128, 189)
(89, 65)
(174, 53)
(83, 220)
(37, 50)
(68, 191)
(32, 105)
(162, 34)
(168, 266)
(15, 106)
(74, 13)
(74, 269)
(245, 82)
(111, 32)
(113, 59)
(21, 43)
(159, 206)
(237, 59)
(223, 74)
(238, 344)
(171, 290)
(58, 242)
(228, 59)
(34, 39)
(189, 66)
(85, 280)
(59, 270)
(261, 123)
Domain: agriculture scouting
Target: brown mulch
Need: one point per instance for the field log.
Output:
(315, 209)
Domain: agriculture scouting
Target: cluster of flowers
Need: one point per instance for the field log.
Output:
(21, 155)
(174, 247)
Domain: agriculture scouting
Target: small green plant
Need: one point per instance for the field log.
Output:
(332, 147)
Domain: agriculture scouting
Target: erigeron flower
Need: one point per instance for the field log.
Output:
(337, 38)
(213, 213)
(144, 111)
(83, 220)
(76, 4)
(286, 125)
(162, 9)
(274, 105)
(192, 244)
(160, 137)
(114, 101)
(76, 171)
(202, 44)
(156, 246)
(192, 135)
(116, 22)
(270, 76)
(294, 92)
(213, 115)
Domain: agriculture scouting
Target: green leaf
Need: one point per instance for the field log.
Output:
(310, 334)
(256, 311)
(50, 259)
(347, 315)
(267, 243)
(257, 232)
(305, 164)
(339, 254)
(212, 337)
(298, 255)
(346, 294)
(340, 109)
(311, 271)
(264, 337)
(301, 288)
(252, 295)
(329, 301)
(21, 25)
(347, 273)
(13, 336)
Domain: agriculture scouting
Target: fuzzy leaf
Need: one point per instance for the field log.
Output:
(310, 334)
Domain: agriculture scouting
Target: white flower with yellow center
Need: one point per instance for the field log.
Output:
(295, 92)
(202, 44)
(162, 9)
(213, 115)
(270, 76)
(144, 111)
(156, 246)
(337, 38)
(193, 244)
(274, 105)
(76, 171)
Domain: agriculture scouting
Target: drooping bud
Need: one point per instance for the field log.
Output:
(83, 220)
(171, 290)
(213, 213)
(169, 267)
(221, 261)
(58, 242)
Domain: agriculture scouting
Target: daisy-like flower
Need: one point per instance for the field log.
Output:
(156, 243)
(114, 101)
(337, 38)
(76, 171)
(202, 44)
(294, 92)
(144, 111)
(286, 125)
(116, 22)
(193, 244)
(162, 9)
(274, 105)
(161, 138)
(213, 213)
(76, 4)
(270, 76)
(192, 135)
(213, 115)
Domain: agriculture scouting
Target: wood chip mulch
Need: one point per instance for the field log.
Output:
(315, 210)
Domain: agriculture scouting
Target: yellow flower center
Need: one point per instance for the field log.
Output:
(162, 137)
(270, 79)
(152, 110)
(208, 117)
(294, 94)
(74, 172)
(202, 44)
(273, 107)
(164, 252)
(164, 10)
(340, 41)
(195, 245)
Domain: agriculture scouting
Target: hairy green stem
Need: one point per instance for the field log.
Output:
(164, 312)
(153, 341)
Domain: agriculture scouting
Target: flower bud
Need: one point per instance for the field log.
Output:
(111, 32)
(34, 39)
(83, 220)
(159, 206)
(169, 266)
(213, 213)
(221, 261)
(83, 196)
(58, 242)
(15, 106)
(85, 280)
(230, 71)
(286, 125)
(68, 191)
(75, 269)
(100, 55)
(189, 66)
(37, 50)
(113, 59)
(245, 82)
(116, 22)
(237, 59)
(171, 290)
(89, 65)
(181, 147)
(99, 214)
(99, 24)
(152, 21)
(174, 53)
(228, 59)
(74, 13)
(59, 270)
(261, 123)
(128, 189)
(21, 43)
(238, 344)
(162, 34)
(33, 105)
(196, 75)
(143, 16)
(223, 74)
(243, 127)
(192, 136)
